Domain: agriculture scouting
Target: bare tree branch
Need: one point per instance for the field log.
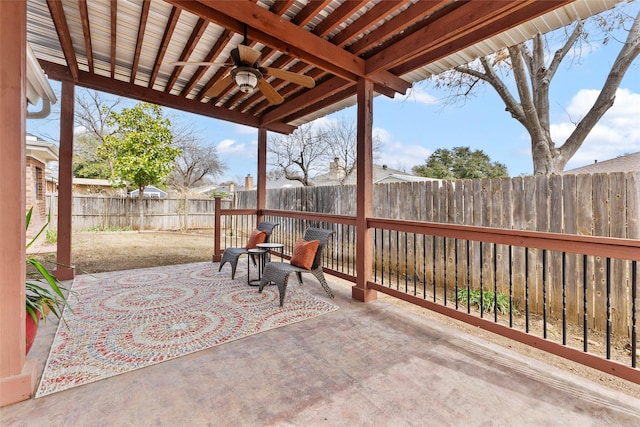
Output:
(533, 77)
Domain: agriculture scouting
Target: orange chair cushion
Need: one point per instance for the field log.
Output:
(304, 253)
(256, 237)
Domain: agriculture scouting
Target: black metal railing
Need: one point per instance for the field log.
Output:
(528, 296)
(236, 229)
(573, 296)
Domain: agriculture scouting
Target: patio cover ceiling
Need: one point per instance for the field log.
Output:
(129, 47)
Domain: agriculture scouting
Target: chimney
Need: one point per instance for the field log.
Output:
(232, 187)
(248, 182)
(335, 169)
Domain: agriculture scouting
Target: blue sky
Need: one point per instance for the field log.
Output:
(413, 126)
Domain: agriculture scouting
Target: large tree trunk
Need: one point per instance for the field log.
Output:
(547, 161)
(533, 73)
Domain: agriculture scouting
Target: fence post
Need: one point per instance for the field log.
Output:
(217, 232)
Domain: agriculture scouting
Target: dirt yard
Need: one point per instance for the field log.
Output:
(94, 252)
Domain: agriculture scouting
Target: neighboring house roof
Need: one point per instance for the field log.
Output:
(627, 163)
(381, 173)
(394, 177)
(41, 150)
(204, 189)
(216, 188)
(149, 191)
(50, 175)
(92, 181)
(282, 182)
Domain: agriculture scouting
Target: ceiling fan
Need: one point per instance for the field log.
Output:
(247, 74)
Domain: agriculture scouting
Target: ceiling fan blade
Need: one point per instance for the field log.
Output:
(269, 92)
(299, 79)
(248, 55)
(219, 86)
(200, 64)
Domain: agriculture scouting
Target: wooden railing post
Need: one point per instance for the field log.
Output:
(217, 233)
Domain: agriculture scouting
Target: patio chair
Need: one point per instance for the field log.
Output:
(278, 272)
(231, 255)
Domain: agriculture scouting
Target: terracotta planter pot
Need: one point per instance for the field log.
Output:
(32, 330)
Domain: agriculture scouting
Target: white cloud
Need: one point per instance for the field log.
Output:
(419, 95)
(244, 130)
(397, 155)
(230, 146)
(617, 133)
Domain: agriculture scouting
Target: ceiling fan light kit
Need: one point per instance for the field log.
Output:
(246, 78)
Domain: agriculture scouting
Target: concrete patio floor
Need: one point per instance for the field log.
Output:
(370, 364)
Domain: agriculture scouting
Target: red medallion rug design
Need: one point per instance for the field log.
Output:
(127, 320)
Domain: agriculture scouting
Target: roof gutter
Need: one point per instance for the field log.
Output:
(38, 88)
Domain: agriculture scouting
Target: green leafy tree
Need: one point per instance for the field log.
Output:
(460, 163)
(140, 150)
(86, 163)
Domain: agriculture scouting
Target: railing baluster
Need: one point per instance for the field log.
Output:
(424, 266)
(444, 271)
(481, 280)
(564, 298)
(585, 303)
(433, 278)
(397, 259)
(414, 275)
(510, 286)
(376, 253)
(468, 277)
(544, 293)
(608, 308)
(495, 283)
(406, 263)
(455, 254)
(634, 309)
(526, 288)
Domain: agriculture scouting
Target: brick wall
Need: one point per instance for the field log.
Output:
(35, 195)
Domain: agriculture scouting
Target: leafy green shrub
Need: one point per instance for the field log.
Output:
(44, 292)
(488, 300)
(51, 236)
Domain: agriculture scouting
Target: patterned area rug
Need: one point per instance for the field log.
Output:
(127, 320)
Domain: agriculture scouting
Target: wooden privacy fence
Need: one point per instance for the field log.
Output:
(606, 205)
(594, 205)
(97, 212)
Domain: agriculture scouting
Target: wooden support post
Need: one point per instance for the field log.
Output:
(17, 376)
(65, 270)
(262, 174)
(364, 241)
(217, 232)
